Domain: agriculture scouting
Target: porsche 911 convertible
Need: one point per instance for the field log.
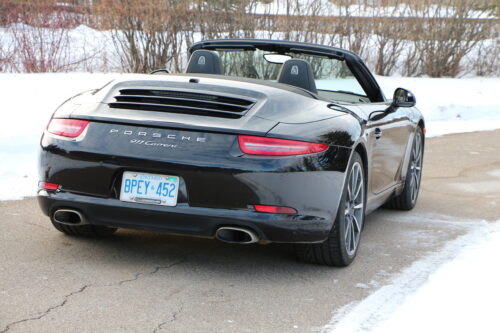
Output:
(258, 141)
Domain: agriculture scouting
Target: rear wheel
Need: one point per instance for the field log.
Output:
(86, 230)
(341, 246)
(408, 198)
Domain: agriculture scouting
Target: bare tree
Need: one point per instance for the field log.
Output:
(355, 33)
(448, 32)
(486, 60)
(41, 42)
(411, 61)
(146, 35)
(389, 41)
(6, 54)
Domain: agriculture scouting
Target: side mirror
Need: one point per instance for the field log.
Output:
(403, 99)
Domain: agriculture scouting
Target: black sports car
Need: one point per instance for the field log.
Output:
(259, 141)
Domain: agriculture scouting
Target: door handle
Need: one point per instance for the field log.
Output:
(378, 133)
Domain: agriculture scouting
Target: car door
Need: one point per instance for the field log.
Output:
(387, 138)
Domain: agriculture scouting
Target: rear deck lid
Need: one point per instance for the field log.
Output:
(200, 102)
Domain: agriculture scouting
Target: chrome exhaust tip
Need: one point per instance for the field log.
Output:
(68, 216)
(236, 235)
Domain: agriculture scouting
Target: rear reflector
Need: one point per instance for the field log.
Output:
(274, 209)
(49, 186)
(70, 128)
(257, 145)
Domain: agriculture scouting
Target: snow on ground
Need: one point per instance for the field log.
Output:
(462, 295)
(452, 105)
(28, 100)
(27, 103)
(85, 48)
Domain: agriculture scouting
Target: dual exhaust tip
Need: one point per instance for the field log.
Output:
(236, 235)
(68, 217)
(225, 234)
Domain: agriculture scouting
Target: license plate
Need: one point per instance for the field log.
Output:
(149, 188)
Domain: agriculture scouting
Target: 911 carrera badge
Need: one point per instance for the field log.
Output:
(152, 143)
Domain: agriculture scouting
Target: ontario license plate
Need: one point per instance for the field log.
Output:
(149, 188)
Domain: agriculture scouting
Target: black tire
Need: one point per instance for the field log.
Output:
(407, 199)
(333, 251)
(86, 230)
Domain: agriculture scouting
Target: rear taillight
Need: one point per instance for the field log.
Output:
(70, 128)
(257, 145)
(49, 186)
(274, 209)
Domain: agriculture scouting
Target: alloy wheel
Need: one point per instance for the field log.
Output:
(354, 208)
(416, 167)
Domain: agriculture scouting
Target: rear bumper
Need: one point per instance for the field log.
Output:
(217, 182)
(186, 220)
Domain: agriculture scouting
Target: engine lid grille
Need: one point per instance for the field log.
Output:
(182, 102)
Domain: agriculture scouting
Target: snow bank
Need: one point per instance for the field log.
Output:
(452, 105)
(82, 48)
(462, 295)
(27, 103)
(28, 100)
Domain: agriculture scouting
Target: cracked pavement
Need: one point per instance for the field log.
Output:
(140, 281)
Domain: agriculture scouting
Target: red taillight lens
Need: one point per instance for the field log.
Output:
(70, 128)
(257, 145)
(49, 186)
(274, 209)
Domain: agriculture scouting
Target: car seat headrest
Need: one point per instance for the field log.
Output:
(299, 73)
(204, 62)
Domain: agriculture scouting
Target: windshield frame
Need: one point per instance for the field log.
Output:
(360, 71)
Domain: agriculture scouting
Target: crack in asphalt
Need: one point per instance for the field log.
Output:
(46, 312)
(159, 327)
(463, 172)
(139, 274)
(42, 314)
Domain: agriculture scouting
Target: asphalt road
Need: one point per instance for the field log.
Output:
(141, 281)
